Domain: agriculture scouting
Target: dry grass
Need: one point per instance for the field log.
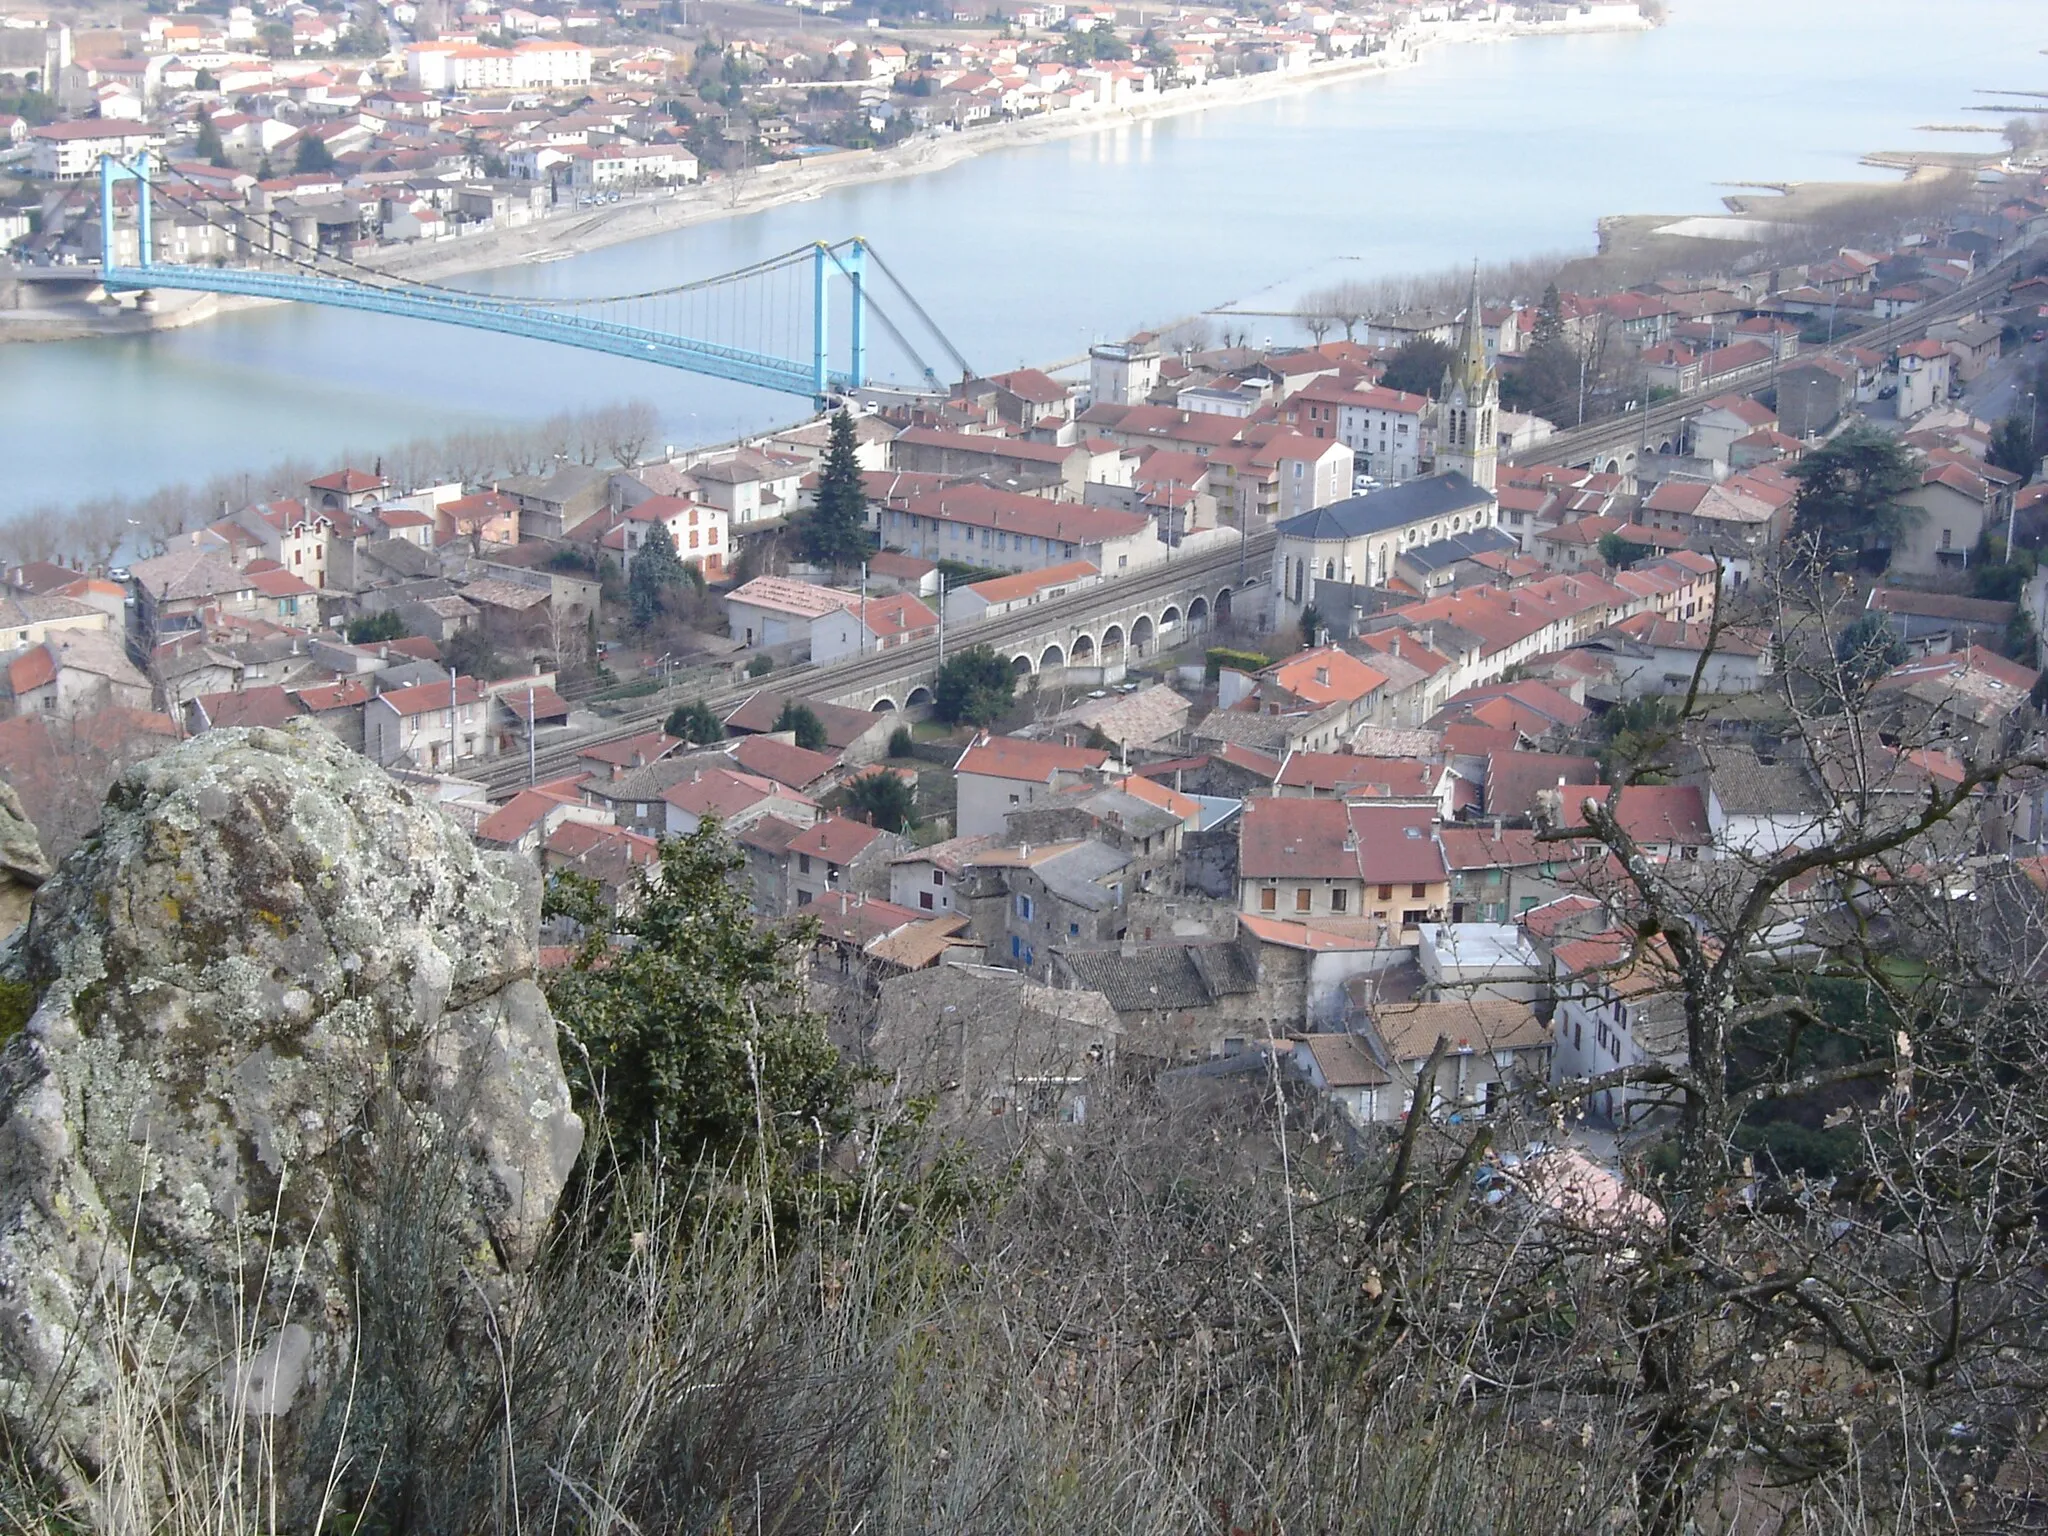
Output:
(1165, 1324)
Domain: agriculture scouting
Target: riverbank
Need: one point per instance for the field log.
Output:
(783, 183)
(795, 181)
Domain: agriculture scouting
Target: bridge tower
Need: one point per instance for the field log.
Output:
(112, 173)
(1468, 404)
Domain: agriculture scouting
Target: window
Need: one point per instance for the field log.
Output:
(938, 877)
(1024, 906)
(1269, 900)
(1417, 891)
(639, 811)
(1013, 799)
(1948, 539)
(1412, 916)
(1386, 893)
(1073, 930)
(1340, 900)
(1302, 898)
(803, 863)
(803, 898)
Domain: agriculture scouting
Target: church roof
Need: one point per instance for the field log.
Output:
(1395, 507)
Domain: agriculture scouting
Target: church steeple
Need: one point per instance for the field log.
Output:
(1469, 401)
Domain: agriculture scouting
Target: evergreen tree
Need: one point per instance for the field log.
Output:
(804, 721)
(881, 799)
(836, 532)
(656, 572)
(311, 158)
(693, 1037)
(208, 146)
(2013, 447)
(1418, 368)
(973, 687)
(696, 723)
(1867, 648)
(1311, 625)
(1851, 491)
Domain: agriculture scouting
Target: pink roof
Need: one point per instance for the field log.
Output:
(835, 839)
(425, 698)
(1035, 762)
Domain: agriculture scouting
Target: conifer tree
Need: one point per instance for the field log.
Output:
(836, 531)
(208, 146)
(656, 571)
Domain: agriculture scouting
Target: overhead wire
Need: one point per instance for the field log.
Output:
(727, 305)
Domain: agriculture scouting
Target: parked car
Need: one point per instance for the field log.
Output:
(2041, 335)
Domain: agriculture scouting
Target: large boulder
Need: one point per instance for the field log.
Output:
(274, 977)
(22, 865)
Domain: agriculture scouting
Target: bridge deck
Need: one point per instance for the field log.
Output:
(503, 316)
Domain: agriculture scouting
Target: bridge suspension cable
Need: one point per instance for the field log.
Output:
(754, 324)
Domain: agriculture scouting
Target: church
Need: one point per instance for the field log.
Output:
(1357, 541)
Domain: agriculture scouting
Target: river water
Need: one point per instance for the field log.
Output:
(1026, 255)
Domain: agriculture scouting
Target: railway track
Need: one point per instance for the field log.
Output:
(1649, 424)
(1234, 567)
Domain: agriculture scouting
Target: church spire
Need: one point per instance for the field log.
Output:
(1471, 396)
(1474, 338)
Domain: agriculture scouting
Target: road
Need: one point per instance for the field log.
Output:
(1224, 567)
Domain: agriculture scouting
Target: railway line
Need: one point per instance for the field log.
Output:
(1236, 568)
(1641, 429)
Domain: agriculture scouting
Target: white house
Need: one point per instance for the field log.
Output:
(981, 525)
(71, 151)
(429, 725)
(1616, 1007)
(697, 529)
(999, 774)
(1000, 594)
(876, 624)
(773, 610)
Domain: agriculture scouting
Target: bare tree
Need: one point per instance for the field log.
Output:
(165, 515)
(1782, 1303)
(99, 528)
(628, 428)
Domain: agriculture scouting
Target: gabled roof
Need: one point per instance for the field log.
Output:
(836, 839)
(1034, 762)
(425, 698)
(1395, 507)
(782, 761)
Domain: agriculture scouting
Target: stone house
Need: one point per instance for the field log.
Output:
(836, 854)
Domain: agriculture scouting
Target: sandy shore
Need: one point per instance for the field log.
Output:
(776, 185)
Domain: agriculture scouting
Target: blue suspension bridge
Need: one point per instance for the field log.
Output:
(768, 324)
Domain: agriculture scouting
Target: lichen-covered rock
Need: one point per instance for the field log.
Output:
(22, 864)
(271, 965)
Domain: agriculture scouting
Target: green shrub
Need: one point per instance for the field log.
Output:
(1221, 656)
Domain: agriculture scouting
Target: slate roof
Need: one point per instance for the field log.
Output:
(1395, 507)
(1162, 976)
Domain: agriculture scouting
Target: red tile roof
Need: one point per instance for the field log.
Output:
(835, 839)
(425, 698)
(1035, 762)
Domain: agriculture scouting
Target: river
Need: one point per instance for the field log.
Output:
(1028, 254)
